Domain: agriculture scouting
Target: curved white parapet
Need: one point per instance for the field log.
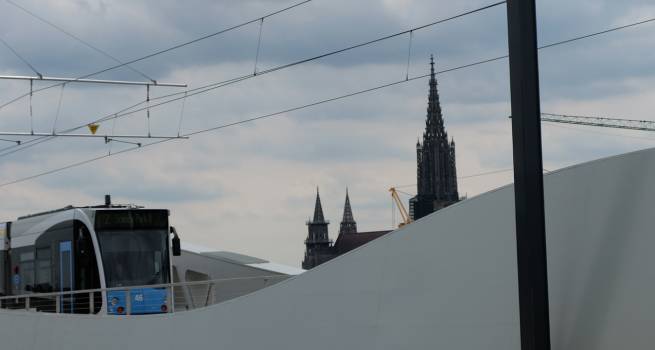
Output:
(447, 281)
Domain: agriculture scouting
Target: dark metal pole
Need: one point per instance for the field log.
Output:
(528, 175)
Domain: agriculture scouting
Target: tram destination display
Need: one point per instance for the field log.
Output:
(131, 219)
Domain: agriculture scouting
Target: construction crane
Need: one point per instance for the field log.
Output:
(616, 123)
(406, 219)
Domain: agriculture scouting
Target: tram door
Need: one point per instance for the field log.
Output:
(66, 275)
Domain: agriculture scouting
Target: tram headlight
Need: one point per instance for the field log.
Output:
(164, 308)
(114, 301)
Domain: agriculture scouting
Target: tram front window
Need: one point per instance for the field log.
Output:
(134, 257)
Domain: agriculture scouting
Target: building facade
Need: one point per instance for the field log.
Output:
(319, 248)
(436, 171)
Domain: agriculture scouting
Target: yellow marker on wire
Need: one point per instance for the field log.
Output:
(93, 128)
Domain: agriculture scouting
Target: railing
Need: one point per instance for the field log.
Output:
(140, 300)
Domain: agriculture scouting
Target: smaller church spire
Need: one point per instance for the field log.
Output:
(348, 224)
(318, 209)
(318, 247)
(347, 210)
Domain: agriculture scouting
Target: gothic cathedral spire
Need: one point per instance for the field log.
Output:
(435, 160)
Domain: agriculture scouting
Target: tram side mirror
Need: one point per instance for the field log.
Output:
(177, 250)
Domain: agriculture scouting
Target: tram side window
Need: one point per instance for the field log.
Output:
(43, 270)
(27, 270)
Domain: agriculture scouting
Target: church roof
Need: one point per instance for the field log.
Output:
(348, 242)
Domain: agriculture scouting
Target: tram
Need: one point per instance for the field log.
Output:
(100, 248)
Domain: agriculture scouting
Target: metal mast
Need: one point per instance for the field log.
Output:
(528, 179)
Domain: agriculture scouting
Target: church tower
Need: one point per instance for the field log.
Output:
(348, 224)
(436, 171)
(318, 246)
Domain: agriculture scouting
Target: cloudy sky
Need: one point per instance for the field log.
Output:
(250, 188)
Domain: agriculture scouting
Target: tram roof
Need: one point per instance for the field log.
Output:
(92, 207)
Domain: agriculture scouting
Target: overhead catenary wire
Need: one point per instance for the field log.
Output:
(295, 63)
(175, 47)
(498, 171)
(489, 60)
(20, 57)
(84, 42)
(470, 176)
(209, 87)
(337, 51)
(634, 24)
(244, 121)
(218, 127)
(39, 141)
(77, 164)
(220, 84)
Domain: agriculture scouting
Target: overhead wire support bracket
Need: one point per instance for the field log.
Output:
(14, 141)
(39, 134)
(92, 81)
(259, 45)
(409, 53)
(31, 117)
(148, 107)
(109, 139)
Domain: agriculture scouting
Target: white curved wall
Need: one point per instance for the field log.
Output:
(447, 281)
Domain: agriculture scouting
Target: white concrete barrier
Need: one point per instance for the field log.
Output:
(447, 281)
